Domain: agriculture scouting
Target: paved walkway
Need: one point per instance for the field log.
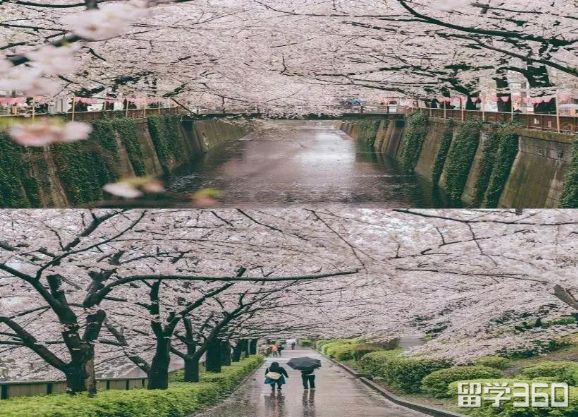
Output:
(338, 394)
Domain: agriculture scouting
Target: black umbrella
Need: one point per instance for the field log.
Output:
(304, 364)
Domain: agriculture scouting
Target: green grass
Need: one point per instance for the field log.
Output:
(180, 400)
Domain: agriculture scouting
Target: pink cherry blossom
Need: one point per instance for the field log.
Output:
(122, 189)
(53, 61)
(107, 22)
(47, 132)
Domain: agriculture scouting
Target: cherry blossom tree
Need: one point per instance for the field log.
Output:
(107, 290)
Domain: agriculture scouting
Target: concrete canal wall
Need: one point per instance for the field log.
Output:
(72, 175)
(483, 165)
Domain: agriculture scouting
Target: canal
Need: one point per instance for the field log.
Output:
(304, 162)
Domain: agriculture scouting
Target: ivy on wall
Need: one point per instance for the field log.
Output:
(416, 126)
(84, 167)
(369, 130)
(446, 143)
(164, 136)
(569, 197)
(461, 156)
(489, 151)
(504, 160)
(17, 187)
(82, 171)
(127, 130)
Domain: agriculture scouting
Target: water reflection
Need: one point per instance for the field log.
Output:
(304, 163)
(309, 403)
(275, 404)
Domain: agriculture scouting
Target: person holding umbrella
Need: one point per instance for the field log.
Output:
(307, 367)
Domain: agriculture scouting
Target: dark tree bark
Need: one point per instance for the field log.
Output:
(253, 346)
(225, 353)
(244, 348)
(213, 358)
(159, 371)
(237, 352)
(192, 369)
(503, 88)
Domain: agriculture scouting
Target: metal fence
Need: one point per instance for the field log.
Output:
(546, 122)
(87, 116)
(32, 388)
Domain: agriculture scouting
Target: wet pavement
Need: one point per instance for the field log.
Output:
(338, 394)
(303, 162)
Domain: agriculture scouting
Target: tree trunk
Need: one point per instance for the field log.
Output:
(237, 351)
(80, 373)
(225, 353)
(159, 373)
(192, 369)
(470, 105)
(501, 86)
(75, 379)
(90, 374)
(213, 358)
(538, 77)
(244, 348)
(253, 346)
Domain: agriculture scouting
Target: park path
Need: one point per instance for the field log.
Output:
(338, 394)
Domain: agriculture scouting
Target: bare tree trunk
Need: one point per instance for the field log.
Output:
(159, 372)
(237, 352)
(213, 361)
(192, 369)
(253, 346)
(225, 353)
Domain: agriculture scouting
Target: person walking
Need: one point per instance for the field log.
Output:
(308, 378)
(275, 376)
(274, 350)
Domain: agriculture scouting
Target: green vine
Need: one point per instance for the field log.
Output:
(569, 197)
(489, 151)
(369, 130)
(158, 136)
(446, 143)
(461, 156)
(17, 187)
(505, 156)
(413, 137)
(84, 167)
(127, 130)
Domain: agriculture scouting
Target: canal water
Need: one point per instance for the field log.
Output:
(303, 163)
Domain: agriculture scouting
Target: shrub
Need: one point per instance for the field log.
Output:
(362, 349)
(406, 374)
(180, 400)
(344, 351)
(564, 371)
(306, 342)
(414, 134)
(461, 156)
(507, 409)
(337, 348)
(373, 363)
(437, 382)
(400, 372)
(320, 343)
(496, 362)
